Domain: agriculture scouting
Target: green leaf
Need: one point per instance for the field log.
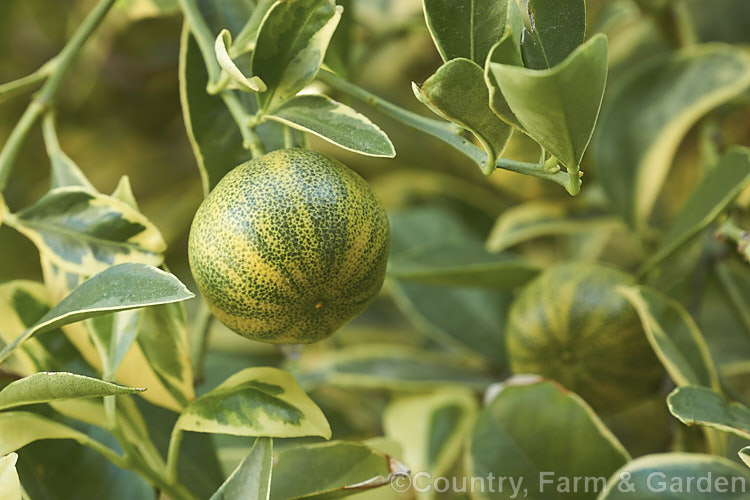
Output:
(457, 92)
(331, 470)
(506, 51)
(3, 209)
(84, 232)
(667, 475)
(431, 428)
(113, 335)
(251, 480)
(392, 367)
(468, 28)
(334, 122)
(701, 405)
(256, 402)
(291, 44)
(664, 98)
(675, 337)
(536, 428)
(19, 428)
(557, 29)
(720, 186)
(221, 46)
(121, 287)
(534, 219)
(461, 265)
(558, 107)
(50, 386)
(10, 486)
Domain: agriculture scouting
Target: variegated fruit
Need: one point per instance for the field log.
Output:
(571, 325)
(289, 247)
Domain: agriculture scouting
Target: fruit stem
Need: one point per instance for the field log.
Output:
(446, 132)
(44, 99)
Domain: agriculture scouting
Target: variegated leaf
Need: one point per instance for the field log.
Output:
(256, 402)
(10, 486)
(336, 123)
(84, 232)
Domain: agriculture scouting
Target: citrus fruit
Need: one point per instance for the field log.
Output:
(571, 325)
(289, 247)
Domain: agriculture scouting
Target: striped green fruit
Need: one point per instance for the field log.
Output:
(289, 247)
(571, 325)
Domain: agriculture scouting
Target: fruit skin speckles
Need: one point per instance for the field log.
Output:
(289, 247)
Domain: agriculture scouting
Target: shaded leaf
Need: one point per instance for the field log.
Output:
(49, 386)
(649, 113)
(85, 232)
(557, 29)
(652, 476)
(256, 402)
(290, 46)
(534, 219)
(251, 480)
(121, 287)
(221, 46)
(431, 428)
(124, 192)
(457, 92)
(701, 405)
(393, 367)
(468, 29)
(64, 170)
(10, 486)
(558, 107)
(720, 186)
(528, 429)
(334, 469)
(461, 265)
(506, 51)
(213, 133)
(675, 337)
(334, 122)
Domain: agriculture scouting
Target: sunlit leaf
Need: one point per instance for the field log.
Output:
(291, 44)
(221, 46)
(332, 469)
(431, 428)
(458, 93)
(701, 405)
(675, 337)
(121, 287)
(648, 114)
(49, 386)
(251, 480)
(10, 486)
(84, 232)
(19, 428)
(334, 122)
(256, 402)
